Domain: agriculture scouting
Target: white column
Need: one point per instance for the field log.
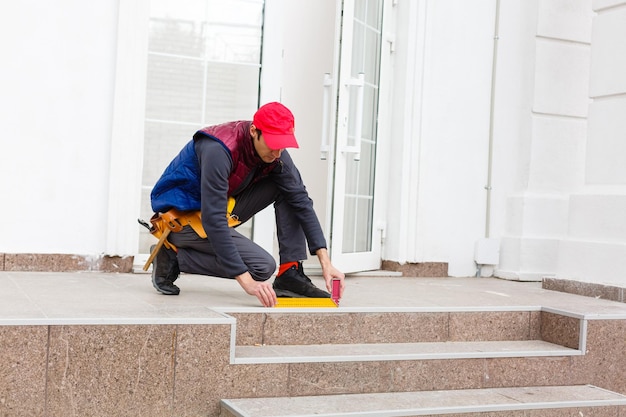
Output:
(128, 129)
(595, 249)
(551, 165)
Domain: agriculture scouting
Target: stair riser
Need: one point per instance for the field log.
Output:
(561, 330)
(371, 377)
(341, 328)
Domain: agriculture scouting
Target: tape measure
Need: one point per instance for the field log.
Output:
(333, 301)
(286, 302)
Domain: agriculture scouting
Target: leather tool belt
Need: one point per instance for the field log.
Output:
(175, 220)
(162, 224)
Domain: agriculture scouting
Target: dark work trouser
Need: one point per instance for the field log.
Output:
(197, 256)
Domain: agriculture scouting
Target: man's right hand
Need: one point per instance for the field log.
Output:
(260, 289)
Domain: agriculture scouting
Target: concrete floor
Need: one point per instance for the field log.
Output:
(93, 297)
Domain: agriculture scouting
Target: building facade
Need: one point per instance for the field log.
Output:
(485, 137)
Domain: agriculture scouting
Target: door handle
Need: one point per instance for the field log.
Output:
(359, 83)
(328, 82)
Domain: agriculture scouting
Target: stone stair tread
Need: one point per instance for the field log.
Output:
(398, 351)
(398, 404)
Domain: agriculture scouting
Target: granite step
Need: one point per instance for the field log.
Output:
(347, 327)
(398, 351)
(561, 401)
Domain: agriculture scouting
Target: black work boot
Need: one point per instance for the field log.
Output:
(294, 283)
(165, 271)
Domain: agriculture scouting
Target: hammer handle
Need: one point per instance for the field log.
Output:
(157, 248)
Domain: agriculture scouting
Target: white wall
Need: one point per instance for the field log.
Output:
(56, 79)
(595, 249)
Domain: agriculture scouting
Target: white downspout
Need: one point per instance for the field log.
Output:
(496, 38)
(486, 251)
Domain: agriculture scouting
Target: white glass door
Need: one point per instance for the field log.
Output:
(355, 230)
(203, 67)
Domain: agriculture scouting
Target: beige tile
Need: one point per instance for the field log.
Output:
(249, 328)
(55, 262)
(403, 327)
(23, 370)
(202, 396)
(202, 355)
(354, 327)
(423, 269)
(521, 413)
(395, 351)
(226, 413)
(111, 370)
(501, 372)
(338, 378)
(606, 354)
(362, 293)
(204, 376)
(499, 325)
(268, 380)
(436, 374)
(444, 401)
(535, 325)
(576, 412)
(587, 289)
(311, 328)
(45, 262)
(562, 330)
(557, 393)
(286, 328)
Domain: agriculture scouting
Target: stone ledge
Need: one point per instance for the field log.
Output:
(54, 262)
(563, 400)
(588, 289)
(420, 270)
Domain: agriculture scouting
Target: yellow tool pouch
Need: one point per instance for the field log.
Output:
(233, 220)
(175, 220)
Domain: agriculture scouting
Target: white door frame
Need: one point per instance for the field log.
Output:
(348, 84)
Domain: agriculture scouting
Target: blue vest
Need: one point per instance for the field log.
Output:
(179, 186)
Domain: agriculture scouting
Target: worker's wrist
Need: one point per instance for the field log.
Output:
(244, 278)
(323, 257)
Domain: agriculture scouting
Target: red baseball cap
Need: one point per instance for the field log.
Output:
(277, 125)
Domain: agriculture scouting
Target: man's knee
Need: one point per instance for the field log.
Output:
(263, 270)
